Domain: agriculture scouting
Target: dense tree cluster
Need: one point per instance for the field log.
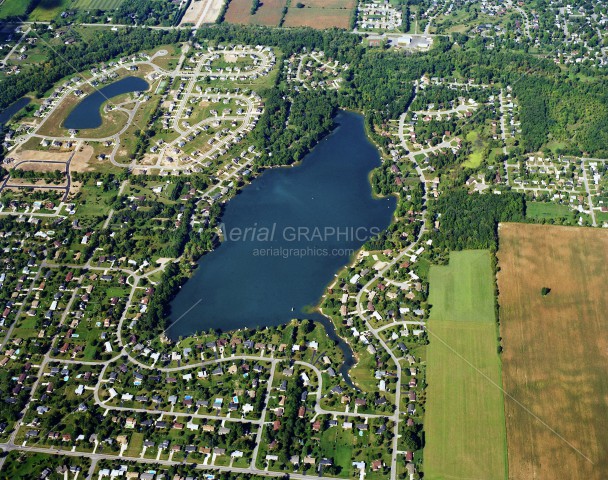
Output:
(572, 112)
(291, 126)
(149, 12)
(471, 220)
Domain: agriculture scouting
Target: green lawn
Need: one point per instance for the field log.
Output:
(362, 373)
(464, 422)
(25, 465)
(337, 444)
(136, 444)
(547, 210)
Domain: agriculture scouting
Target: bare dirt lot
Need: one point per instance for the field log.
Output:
(555, 359)
(202, 11)
(81, 162)
(53, 156)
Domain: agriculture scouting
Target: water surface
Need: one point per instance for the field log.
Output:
(87, 114)
(12, 109)
(268, 280)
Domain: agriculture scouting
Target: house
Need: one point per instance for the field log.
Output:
(130, 422)
(376, 465)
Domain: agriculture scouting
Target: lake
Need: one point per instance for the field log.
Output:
(12, 109)
(285, 237)
(87, 114)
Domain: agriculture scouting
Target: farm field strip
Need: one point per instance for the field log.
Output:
(9, 8)
(555, 350)
(269, 13)
(98, 4)
(465, 424)
(318, 18)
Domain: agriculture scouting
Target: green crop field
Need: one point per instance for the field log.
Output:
(97, 4)
(463, 291)
(47, 10)
(464, 422)
(12, 8)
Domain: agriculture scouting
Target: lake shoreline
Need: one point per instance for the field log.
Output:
(329, 192)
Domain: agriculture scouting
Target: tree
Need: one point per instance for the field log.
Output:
(411, 440)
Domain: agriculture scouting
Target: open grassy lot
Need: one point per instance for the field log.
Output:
(318, 18)
(464, 422)
(548, 210)
(476, 156)
(556, 350)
